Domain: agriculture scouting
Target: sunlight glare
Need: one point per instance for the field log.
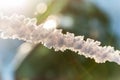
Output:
(51, 22)
(7, 4)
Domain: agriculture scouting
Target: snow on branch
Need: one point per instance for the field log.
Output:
(22, 28)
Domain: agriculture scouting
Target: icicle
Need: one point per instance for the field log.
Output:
(22, 28)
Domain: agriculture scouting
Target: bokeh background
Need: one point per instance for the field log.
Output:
(96, 19)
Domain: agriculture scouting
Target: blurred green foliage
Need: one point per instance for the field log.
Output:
(46, 64)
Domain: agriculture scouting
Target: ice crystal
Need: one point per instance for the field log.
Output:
(22, 28)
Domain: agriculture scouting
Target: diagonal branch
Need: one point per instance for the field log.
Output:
(22, 28)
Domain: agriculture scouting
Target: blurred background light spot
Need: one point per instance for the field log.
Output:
(41, 8)
(66, 21)
(51, 22)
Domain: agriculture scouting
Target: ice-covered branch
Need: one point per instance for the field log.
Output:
(22, 28)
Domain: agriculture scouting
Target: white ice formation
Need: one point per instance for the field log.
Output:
(22, 28)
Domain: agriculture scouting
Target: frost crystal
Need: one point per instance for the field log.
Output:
(22, 28)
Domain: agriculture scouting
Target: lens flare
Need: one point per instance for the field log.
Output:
(41, 8)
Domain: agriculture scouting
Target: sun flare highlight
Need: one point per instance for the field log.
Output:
(11, 4)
